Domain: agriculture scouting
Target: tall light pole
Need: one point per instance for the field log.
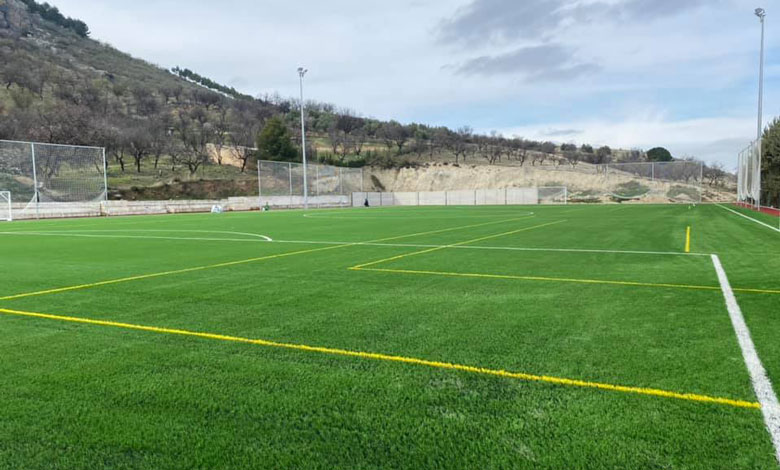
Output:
(761, 14)
(301, 73)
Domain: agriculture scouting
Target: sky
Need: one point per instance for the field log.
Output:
(682, 74)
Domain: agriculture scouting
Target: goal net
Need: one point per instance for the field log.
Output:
(54, 179)
(749, 174)
(5, 206)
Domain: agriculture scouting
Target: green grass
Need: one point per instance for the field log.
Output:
(91, 396)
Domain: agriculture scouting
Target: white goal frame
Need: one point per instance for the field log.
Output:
(5, 204)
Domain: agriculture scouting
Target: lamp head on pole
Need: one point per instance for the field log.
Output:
(302, 71)
(760, 13)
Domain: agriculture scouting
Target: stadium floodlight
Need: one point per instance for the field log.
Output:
(761, 14)
(301, 73)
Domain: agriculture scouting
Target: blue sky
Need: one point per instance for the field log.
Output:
(627, 73)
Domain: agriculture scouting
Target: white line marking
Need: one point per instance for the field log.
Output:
(770, 407)
(257, 235)
(749, 218)
(262, 238)
(395, 245)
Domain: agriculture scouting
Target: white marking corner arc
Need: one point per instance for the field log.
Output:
(770, 408)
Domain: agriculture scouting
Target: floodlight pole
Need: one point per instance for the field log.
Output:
(301, 72)
(761, 14)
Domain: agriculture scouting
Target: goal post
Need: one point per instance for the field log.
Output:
(5, 206)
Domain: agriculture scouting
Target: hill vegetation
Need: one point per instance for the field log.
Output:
(58, 85)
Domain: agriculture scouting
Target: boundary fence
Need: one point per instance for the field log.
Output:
(475, 197)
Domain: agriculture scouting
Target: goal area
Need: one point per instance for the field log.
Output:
(469, 197)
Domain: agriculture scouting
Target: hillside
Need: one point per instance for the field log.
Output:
(61, 86)
(163, 127)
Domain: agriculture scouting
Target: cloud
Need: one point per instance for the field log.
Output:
(548, 61)
(500, 20)
(562, 132)
(503, 21)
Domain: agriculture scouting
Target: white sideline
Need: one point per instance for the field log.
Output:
(770, 407)
(749, 218)
(266, 239)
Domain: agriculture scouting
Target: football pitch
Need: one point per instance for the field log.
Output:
(531, 337)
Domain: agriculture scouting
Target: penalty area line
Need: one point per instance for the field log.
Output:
(399, 359)
(335, 242)
(560, 279)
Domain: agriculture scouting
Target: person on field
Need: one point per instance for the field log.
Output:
(366, 203)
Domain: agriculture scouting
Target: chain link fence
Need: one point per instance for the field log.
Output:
(281, 184)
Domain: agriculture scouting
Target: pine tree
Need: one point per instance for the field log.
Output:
(275, 142)
(770, 164)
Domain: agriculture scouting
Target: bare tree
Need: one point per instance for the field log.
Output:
(221, 127)
(139, 143)
(195, 137)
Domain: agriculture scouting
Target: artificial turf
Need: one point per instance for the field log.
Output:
(490, 287)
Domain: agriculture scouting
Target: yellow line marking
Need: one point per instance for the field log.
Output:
(688, 239)
(234, 263)
(164, 273)
(399, 359)
(560, 279)
(430, 250)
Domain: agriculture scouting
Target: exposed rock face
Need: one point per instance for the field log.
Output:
(15, 20)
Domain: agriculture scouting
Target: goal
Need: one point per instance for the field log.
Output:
(54, 180)
(5, 206)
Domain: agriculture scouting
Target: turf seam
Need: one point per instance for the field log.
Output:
(693, 397)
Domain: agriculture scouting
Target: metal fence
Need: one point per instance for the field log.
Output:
(466, 197)
(649, 182)
(281, 184)
(39, 174)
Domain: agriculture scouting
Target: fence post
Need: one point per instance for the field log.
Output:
(652, 171)
(259, 187)
(475, 197)
(35, 182)
(289, 170)
(105, 174)
(341, 185)
(701, 180)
